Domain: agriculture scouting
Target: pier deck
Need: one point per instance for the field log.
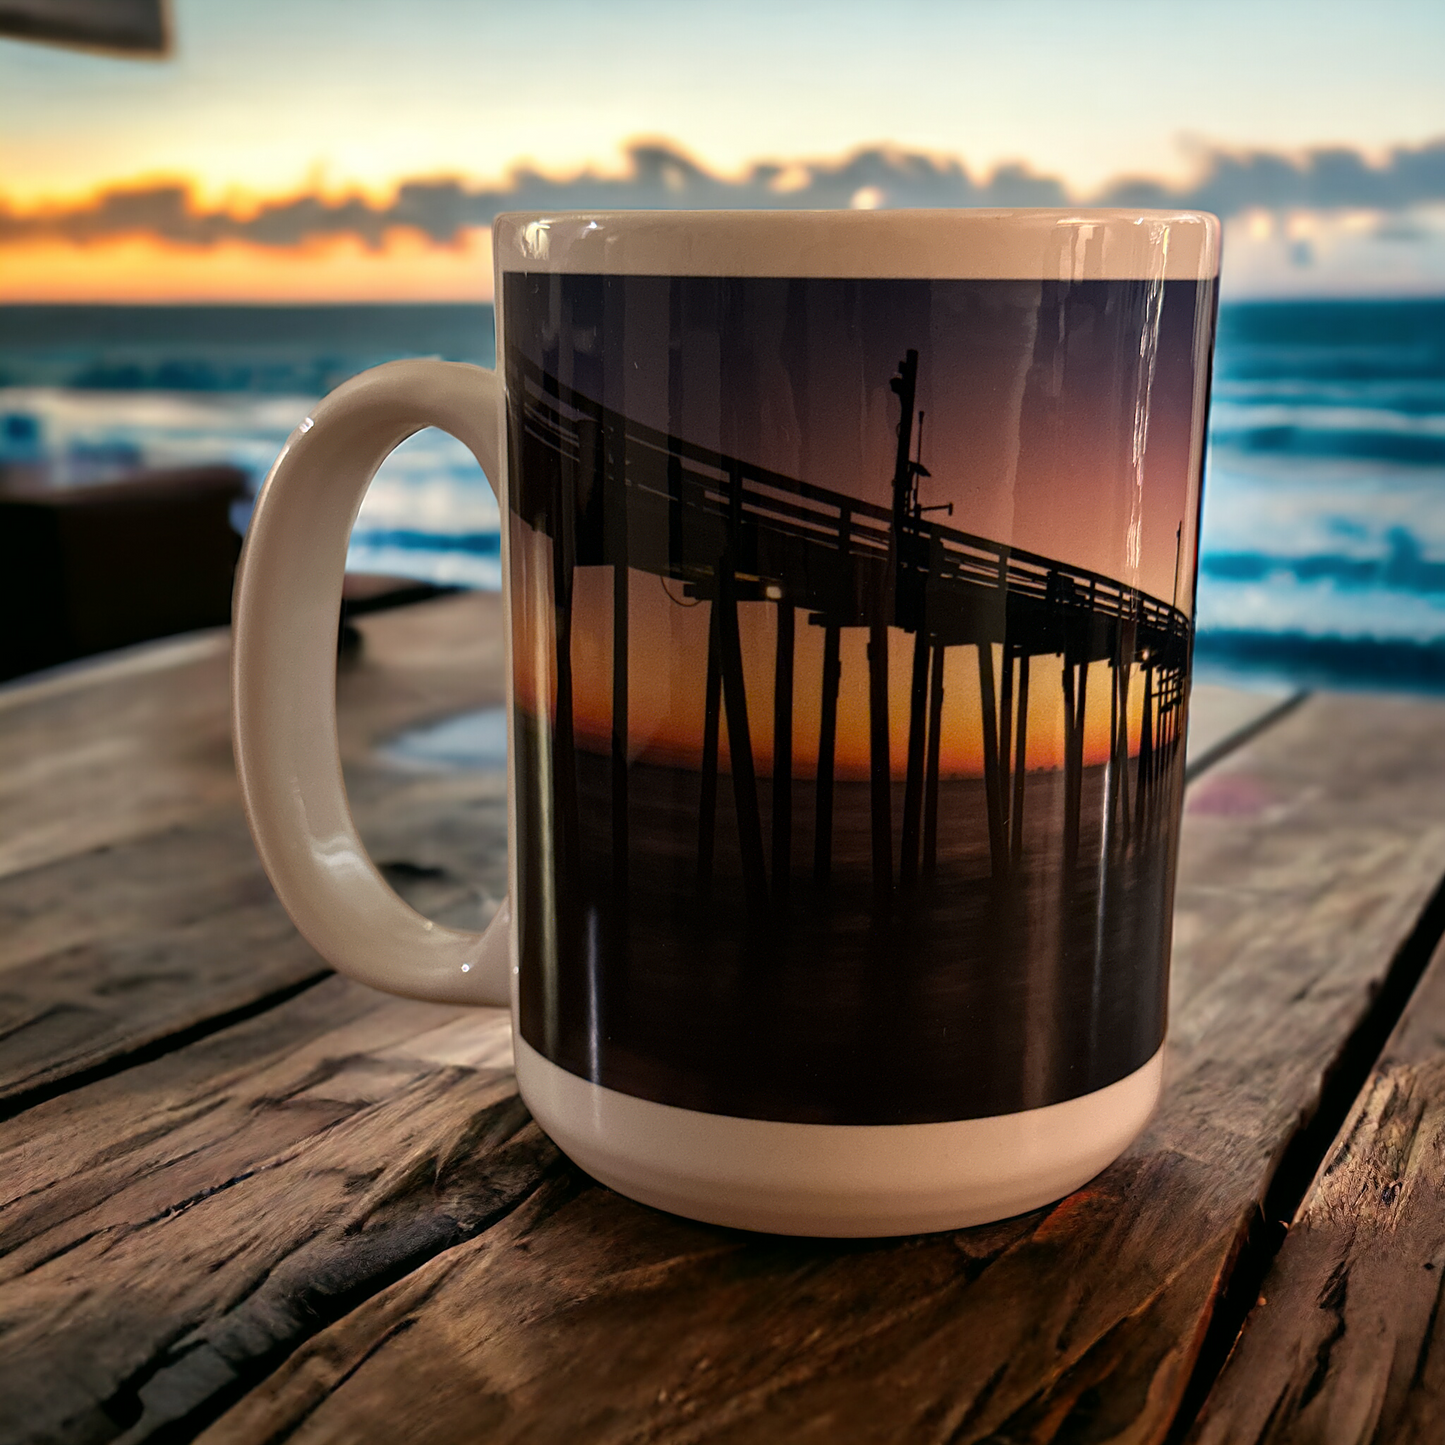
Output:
(243, 1200)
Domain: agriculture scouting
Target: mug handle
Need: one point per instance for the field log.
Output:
(283, 683)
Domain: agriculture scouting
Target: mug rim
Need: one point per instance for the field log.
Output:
(1070, 244)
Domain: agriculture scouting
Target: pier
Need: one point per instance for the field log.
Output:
(611, 491)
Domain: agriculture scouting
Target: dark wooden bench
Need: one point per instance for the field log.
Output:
(245, 1200)
(85, 568)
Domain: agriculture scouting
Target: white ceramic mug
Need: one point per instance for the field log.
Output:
(849, 567)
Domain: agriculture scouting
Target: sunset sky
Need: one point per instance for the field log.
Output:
(270, 157)
(1029, 439)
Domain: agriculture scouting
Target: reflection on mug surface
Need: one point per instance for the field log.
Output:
(851, 644)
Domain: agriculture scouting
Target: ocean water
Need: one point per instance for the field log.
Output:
(1323, 555)
(91, 391)
(1323, 548)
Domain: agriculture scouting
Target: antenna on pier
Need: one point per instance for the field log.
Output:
(904, 386)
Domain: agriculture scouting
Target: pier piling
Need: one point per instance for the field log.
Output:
(783, 757)
(1016, 811)
(880, 766)
(998, 851)
(740, 747)
(712, 707)
(917, 742)
(935, 725)
(827, 740)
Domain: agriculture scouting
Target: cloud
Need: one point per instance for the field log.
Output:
(657, 176)
(660, 176)
(1333, 178)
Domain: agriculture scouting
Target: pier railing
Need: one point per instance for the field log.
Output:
(713, 502)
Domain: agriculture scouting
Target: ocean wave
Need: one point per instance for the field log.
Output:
(444, 566)
(1281, 601)
(1332, 661)
(1343, 411)
(481, 544)
(1422, 360)
(295, 350)
(1412, 446)
(1384, 421)
(1347, 340)
(1403, 568)
(1423, 397)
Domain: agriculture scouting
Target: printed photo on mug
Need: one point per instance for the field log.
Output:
(851, 627)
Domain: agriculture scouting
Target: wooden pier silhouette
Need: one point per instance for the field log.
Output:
(610, 491)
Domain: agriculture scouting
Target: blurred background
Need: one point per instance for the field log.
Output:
(212, 213)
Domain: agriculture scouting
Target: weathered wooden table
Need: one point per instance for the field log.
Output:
(245, 1200)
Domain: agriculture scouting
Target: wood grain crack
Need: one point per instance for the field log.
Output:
(1305, 1153)
(154, 1048)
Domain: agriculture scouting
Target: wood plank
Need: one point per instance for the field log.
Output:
(1344, 1342)
(114, 949)
(99, 754)
(1220, 717)
(114, 952)
(166, 1235)
(132, 904)
(1309, 856)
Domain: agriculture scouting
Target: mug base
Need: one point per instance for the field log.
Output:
(835, 1180)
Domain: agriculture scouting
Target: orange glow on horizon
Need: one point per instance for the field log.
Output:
(668, 646)
(406, 267)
